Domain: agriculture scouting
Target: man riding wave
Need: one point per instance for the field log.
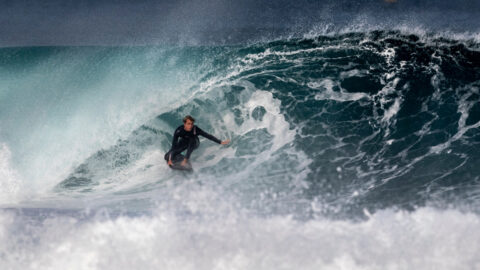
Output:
(188, 134)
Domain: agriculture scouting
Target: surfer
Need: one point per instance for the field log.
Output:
(189, 141)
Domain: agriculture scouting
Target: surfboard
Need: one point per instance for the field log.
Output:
(177, 164)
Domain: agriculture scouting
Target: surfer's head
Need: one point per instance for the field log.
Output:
(188, 122)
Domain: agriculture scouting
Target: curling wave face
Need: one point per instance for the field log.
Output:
(351, 122)
(342, 136)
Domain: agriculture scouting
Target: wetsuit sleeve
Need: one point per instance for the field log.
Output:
(208, 136)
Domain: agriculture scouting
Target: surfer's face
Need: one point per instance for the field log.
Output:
(188, 125)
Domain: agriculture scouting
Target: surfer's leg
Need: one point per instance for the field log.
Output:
(193, 144)
(181, 146)
(197, 143)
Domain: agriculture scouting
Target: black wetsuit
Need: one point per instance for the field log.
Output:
(189, 141)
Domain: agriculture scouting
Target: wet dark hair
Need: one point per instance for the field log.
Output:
(188, 117)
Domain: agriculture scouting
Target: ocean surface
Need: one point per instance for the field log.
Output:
(349, 150)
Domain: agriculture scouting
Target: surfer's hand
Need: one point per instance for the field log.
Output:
(170, 163)
(184, 162)
(225, 142)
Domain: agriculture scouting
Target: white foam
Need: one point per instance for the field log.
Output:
(389, 54)
(392, 110)
(326, 92)
(361, 24)
(10, 182)
(424, 239)
(464, 107)
(387, 90)
(273, 120)
(283, 135)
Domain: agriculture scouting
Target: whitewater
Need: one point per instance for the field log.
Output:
(349, 150)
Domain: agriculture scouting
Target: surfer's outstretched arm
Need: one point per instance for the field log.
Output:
(211, 137)
(208, 136)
